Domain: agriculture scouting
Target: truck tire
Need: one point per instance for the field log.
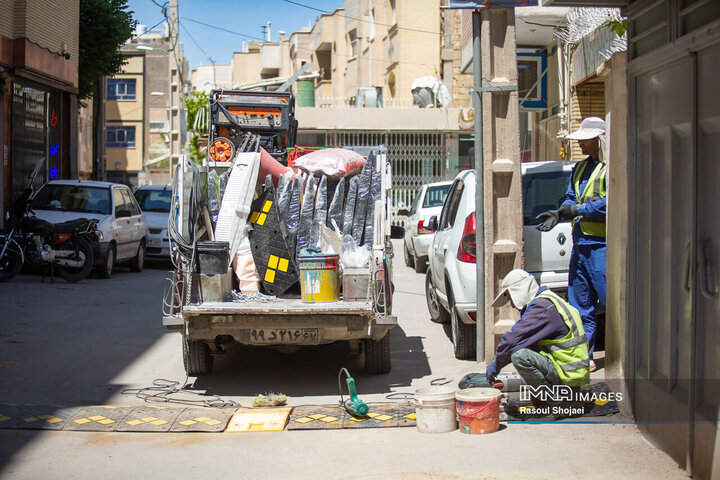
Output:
(463, 335)
(377, 355)
(197, 358)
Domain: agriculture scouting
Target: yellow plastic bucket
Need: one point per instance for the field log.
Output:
(319, 278)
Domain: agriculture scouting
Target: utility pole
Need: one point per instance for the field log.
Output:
(497, 165)
(176, 83)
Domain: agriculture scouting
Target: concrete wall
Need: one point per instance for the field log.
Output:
(395, 119)
(246, 67)
(614, 73)
(52, 24)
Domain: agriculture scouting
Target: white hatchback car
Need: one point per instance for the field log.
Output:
(450, 283)
(154, 200)
(121, 224)
(428, 202)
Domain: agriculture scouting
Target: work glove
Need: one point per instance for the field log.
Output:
(474, 380)
(567, 212)
(548, 220)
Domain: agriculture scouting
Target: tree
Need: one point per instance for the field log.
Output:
(194, 106)
(105, 25)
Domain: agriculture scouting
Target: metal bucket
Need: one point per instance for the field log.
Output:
(319, 278)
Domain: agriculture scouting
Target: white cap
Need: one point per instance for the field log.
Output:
(521, 286)
(591, 127)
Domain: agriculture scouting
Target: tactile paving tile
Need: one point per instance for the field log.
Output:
(97, 419)
(405, 415)
(36, 417)
(203, 420)
(379, 416)
(149, 419)
(317, 417)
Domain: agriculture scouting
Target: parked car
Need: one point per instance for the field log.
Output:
(122, 229)
(428, 202)
(154, 200)
(450, 283)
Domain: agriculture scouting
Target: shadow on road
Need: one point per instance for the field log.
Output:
(311, 371)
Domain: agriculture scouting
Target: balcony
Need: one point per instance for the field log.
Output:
(270, 60)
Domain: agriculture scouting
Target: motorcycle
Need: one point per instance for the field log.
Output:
(65, 246)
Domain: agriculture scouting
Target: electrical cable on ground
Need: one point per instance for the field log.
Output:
(163, 390)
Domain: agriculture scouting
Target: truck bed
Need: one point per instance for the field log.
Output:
(280, 306)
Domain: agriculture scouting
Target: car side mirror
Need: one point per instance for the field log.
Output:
(397, 232)
(123, 213)
(404, 212)
(432, 224)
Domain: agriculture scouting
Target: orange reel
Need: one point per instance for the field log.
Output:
(221, 150)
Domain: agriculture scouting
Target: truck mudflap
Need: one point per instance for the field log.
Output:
(283, 322)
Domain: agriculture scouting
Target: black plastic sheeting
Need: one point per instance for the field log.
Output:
(375, 187)
(335, 212)
(320, 212)
(306, 216)
(361, 203)
(350, 206)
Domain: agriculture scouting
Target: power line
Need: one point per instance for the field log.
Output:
(359, 19)
(223, 29)
(193, 39)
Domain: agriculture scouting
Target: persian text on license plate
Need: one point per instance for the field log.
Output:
(154, 242)
(282, 336)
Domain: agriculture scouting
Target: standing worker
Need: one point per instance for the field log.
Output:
(547, 345)
(585, 204)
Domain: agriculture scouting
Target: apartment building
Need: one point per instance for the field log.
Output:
(39, 48)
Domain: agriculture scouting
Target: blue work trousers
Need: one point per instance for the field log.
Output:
(586, 285)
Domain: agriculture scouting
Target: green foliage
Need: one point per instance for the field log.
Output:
(618, 26)
(105, 25)
(193, 105)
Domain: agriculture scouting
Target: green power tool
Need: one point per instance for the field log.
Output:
(354, 406)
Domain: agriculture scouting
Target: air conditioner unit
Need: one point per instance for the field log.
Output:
(532, 81)
(369, 97)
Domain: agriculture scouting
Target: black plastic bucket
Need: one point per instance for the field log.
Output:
(213, 257)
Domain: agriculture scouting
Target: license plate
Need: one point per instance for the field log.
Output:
(154, 242)
(281, 336)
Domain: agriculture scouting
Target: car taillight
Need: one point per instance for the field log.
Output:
(466, 249)
(473, 315)
(421, 228)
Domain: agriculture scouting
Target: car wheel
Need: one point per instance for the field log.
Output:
(437, 313)
(106, 269)
(463, 334)
(409, 259)
(137, 262)
(420, 265)
(197, 358)
(377, 355)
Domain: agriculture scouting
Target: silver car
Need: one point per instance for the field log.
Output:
(428, 202)
(121, 224)
(154, 200)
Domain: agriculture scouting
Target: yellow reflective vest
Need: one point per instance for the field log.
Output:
(594, 190)
(568, 354)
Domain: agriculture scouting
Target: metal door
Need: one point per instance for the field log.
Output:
(706, 443)
(674, 313)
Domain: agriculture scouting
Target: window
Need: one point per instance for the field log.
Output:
(154, 200)
(450, 208)
(353, 42)
(121, 89)
(543, 192)
(435, 196)
(121, 137)
(130, 202)
(157, 126)
(119, 201)
(73, 198)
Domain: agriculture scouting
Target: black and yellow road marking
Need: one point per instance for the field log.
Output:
(316, 417)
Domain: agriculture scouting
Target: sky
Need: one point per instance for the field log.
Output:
(244, 17)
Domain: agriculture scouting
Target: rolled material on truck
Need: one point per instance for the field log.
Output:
(350, 206)
(306, 215)
(361, 203)
(320, 214)
(335, 212)
(375, 187)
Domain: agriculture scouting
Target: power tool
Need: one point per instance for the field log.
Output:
(354, 406)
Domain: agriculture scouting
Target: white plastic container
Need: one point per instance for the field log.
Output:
(435, 409)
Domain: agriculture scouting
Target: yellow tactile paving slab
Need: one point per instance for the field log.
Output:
(259, 420)
(149, 419)
(316, 417)
(379, 416)
(203, 420)
(405, 415)
(97, 418)
(36, 417)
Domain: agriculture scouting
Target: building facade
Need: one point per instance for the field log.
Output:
(39, 46)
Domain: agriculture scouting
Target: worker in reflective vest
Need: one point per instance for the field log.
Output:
(585, 204)
(547, 345)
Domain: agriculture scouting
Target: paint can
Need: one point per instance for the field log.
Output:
(319, 278)
(478, 410)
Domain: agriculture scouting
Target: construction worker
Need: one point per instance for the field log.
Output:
(547, 345)
(585, 204)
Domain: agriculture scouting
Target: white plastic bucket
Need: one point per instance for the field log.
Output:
(435, 409)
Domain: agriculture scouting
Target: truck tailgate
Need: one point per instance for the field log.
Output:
(280, 307)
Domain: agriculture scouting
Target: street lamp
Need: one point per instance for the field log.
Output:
(150, 49)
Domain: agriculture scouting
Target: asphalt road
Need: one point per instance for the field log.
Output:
(86, 343)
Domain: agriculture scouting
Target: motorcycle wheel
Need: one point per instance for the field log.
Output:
(75, 274)
(11, 261)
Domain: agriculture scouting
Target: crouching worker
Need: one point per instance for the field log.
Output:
(547, 345)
